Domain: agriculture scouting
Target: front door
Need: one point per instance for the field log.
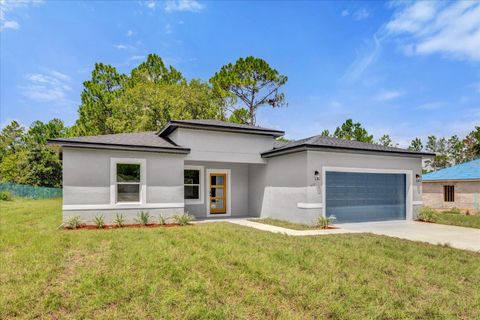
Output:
(218, 193)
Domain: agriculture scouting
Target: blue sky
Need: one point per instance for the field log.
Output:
(404, 68)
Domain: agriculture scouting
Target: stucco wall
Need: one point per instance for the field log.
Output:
(222, 146)
(467, 195)
(86, 177)
(276, 188)
(239, 188)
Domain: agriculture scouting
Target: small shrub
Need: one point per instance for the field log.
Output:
(5, 196)
(467, 213)
(143, 218)
(99, 221)
(73, 223)
(183, 219)
(454, 211)
(119, 220)
(162, 220)
(324, 222)
(427, 215)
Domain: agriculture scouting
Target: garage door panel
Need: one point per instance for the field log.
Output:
(356, 197)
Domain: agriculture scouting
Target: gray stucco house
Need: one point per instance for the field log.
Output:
(217, 169)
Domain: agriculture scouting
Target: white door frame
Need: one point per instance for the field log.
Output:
(229, 192)
(408, 185)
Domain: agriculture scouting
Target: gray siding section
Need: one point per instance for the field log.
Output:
(239, 188)
(222, 146)
(86, 176)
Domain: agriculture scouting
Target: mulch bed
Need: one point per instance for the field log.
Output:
(112, 226)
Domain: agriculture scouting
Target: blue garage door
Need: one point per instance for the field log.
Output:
(358, 197)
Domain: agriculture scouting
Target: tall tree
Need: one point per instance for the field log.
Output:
(456, 150)
(149, 106)
(98, 93)
(11, 138)
(253, 82)
(416, 145)
(353, 131)
(386, 141)
(472, 145)
(439, 147)
(154, 70)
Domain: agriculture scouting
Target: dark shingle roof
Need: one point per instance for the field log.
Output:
(218, 125)
(335, 143)
(147, 140)
(465, 171)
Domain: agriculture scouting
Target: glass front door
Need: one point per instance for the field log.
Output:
(218, 193)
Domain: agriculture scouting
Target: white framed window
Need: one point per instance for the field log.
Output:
(127, 181)
(193, 184)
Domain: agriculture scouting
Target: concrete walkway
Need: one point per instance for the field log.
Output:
(456, 237)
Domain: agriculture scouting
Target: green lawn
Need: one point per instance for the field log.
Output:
(456, 219)
(284, 224)
(223, 271)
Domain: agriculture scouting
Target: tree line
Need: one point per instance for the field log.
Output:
(449, 151)
(143, 100)
(153, 94)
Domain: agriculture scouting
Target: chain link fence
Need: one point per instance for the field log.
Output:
(32, 192)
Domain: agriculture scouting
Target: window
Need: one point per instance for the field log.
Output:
(449, 193)
(193, 181)
(128, 182)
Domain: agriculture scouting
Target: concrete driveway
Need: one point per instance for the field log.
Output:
(457, 237)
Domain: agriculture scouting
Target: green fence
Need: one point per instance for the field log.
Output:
(32, 192)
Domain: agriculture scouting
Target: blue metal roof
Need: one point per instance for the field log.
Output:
(465, 171)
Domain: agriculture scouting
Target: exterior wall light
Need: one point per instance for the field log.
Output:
(418, 178)
(317, 175)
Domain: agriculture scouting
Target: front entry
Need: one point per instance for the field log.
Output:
(217, 193)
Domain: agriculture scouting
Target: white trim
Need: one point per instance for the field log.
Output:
(304, 205)
(113, 181)
(229, 192)
(408, 184)
(417, 203)
(119, 206)
(201, 187)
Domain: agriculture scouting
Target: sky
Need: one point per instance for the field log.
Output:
(408, 69)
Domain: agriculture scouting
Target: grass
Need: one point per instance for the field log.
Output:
(222, 271)
(456, 219)
(284, 224)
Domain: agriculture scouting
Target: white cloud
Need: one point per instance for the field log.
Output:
(151, 4)
(361, 14)
(168, 28)
(9, 6)
(476, 87)
(49, 86)
(429, 27)
(183, 5)
(388, 95)
(129, 33)
(345, 13)
(362, 62)
(136, 57)
(432, 105)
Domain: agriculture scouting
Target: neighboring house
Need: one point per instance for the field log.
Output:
(454, 187)
(218, 169)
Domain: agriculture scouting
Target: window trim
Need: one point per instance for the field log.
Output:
(114, 183)
(201, 185)
(449, 193)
